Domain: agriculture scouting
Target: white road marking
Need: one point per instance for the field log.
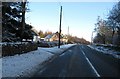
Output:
(65, 53)
(42, 70)
(70, 50)
(62, 54)
(95, 71)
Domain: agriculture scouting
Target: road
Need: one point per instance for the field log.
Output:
(81, 61)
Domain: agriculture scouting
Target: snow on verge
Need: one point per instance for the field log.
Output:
(56, 50)
(106, 51)
(23, 65)
(0, 68)
(0, 62)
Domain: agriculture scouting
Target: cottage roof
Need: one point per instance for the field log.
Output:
(51, 35)
(48, 36)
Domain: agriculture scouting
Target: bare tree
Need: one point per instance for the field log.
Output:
(114, 20)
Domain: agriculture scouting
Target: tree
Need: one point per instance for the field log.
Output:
(13, 18)
(41, 34)
(10, 21)
(114, 20)
(75, 39)
(23, 18)
(28, 33)
(100, 39)
(104, 32)
(47, 33)
(110, 28)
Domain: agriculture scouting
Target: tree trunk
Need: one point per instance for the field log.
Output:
(23, 18)
(118, 36)
(118, 30)
(104, 39)
(113, 32)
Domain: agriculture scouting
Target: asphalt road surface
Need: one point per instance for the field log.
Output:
(81, 61)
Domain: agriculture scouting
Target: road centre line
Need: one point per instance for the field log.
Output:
(95, 71)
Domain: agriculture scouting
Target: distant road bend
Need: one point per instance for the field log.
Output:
(81, 61)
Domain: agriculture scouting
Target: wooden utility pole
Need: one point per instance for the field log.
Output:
(68, 30)
(60, 26)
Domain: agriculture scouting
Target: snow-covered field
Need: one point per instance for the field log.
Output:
(106, 51)
(25, 65)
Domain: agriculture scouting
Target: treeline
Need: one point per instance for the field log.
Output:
(74, 39)
(44, 34)
(71, 39)
(108, 31)
(14, 27)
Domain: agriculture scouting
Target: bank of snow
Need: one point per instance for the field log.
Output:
(106, 51)
(25, 65)
(56, 50)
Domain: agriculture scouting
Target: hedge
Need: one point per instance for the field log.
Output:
(48, 44)
(12, 49)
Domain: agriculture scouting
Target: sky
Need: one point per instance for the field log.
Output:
(80, 17)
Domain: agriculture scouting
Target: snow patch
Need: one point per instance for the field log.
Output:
(0, 68)
(25, 65)
(56, 50)
(106, 51)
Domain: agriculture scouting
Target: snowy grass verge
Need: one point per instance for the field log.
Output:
(106, 51)
(56, 50)
(0, 62)
(25, 65)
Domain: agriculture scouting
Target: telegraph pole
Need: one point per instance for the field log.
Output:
(68, 30)
(60, 26)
